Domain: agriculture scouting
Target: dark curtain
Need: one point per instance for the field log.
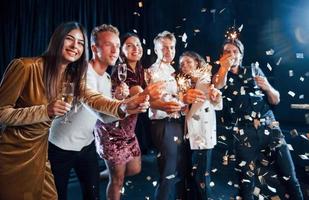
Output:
(26, 27)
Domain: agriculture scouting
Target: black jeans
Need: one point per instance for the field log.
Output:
(248, 147)
(167, 136)
(85, 164)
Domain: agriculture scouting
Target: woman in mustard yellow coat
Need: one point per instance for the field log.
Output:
(30, 98)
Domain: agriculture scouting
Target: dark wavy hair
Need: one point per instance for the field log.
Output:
(52, 57)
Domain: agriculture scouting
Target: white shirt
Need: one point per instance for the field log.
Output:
(201, 119)
(160, 71)
(78, 133)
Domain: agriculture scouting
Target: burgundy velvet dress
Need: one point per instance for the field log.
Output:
(117, 140)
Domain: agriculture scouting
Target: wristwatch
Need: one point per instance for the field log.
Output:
(123, 108)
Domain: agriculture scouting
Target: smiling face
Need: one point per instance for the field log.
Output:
(187, 64)
(132, 49)
(165, 50)
(107, 48)
(73, 46)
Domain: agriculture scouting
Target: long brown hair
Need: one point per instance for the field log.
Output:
(52, 57)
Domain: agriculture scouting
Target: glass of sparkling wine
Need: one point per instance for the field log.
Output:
(67, 96)
(122, 72)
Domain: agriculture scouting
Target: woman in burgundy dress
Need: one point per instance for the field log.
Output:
(118, 144)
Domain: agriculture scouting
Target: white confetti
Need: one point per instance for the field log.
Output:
(213, 11)
(304, 157)
(140, 4)
(302, 79)
(148, 178)
(154, 183)
(175, 138)
(241, 27)
(242, 90)
(292, 94)
(137, 14)
(203, 9)
(170, 176)
(279, 61)
(301, 96)
(222, 137)
(230, 183)
(184, 37)
(148, 52)
(272, 189)
(290, 147)
(269, 67)
(211, 184)
(243, 163)
(214, 170)
(256, 191)
(270, 52)
(221, 11)
(286, 178)
(144, 41)
(266, 132)
(134, 30)
(291, 73)
(299, 55)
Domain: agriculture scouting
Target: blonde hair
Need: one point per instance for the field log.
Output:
(102, 28)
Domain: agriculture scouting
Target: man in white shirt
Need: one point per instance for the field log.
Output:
(71, 145)
(166, 126)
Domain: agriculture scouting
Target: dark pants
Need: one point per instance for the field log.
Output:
(248, 148)
(85, 164)
(200, 170)
(168, 139)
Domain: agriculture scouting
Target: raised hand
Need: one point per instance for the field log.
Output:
(154, 90)
(137, 104)
(262, 82)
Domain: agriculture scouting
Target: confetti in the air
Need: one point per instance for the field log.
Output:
(269, 67)
(272, 189)
(148, 52)
(299, 55)
(184, 37)
(270, 52)
(140, 4)
(211, 184)
(291, 73)
(292, 94)
(137, 14)
(279, 61)
(221, 11)
(203, 9)
(170, 176)
(302, 79)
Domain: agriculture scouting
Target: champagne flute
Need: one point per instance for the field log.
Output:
(122, 72)
(67, 93)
